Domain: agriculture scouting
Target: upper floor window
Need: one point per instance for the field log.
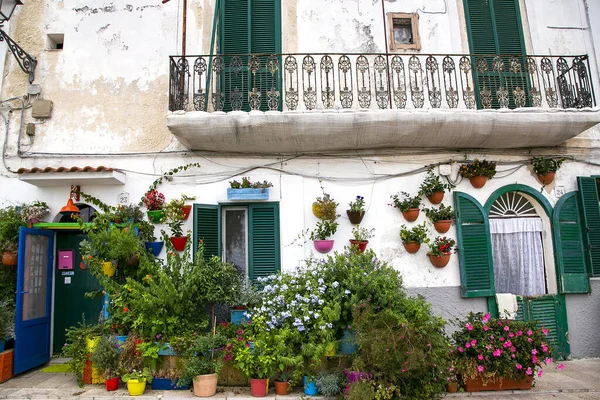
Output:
(404, 31)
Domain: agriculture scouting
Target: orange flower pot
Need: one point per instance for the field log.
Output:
(439, 262)
(436, 198)
(412, 247)
(478, 181)
(281, 388)
(411, 214)
(548, 178)
(442, 226)
(9, 258)
(476, 384)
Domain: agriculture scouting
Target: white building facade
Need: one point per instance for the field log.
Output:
(344, 97)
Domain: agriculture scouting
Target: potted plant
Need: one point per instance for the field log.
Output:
(136, 381)
(546, 167)
(478, 172)
(154, 202)
(114, 246)
(10, 223)
(7, 323)
(79, 344)
(440, 251)
(255, 360)
(498, 354)
(128, 213)
(282, 383)
(409, 206)
(247, 296)
(441, 217)
(321, 234)
(146, 234)
(106, 358)
(328, 384)
(361, 237)
(173, 217)
(357, 210)
(35, 212)
(247, 190)
(433, 188)
(414, 237)
(202, 363)
(325, 208)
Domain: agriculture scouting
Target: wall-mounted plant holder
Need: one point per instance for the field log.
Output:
(248, 194)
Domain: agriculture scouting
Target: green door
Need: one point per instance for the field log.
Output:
(71, 285)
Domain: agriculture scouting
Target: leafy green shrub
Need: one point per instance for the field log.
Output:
(75, 347)
(417, 233)
(433, 184)
(7, 320)
(443, 213)
(543, 165)
(106, 357)
(406, 202)
(10, 222)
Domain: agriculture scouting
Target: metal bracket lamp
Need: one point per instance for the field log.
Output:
(70, 207)
(26, 62)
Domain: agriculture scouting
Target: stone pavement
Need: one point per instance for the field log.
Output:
(580, 379)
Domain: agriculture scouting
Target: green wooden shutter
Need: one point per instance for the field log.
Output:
(550, 312)
(474, 247)
(480, 27)
(568, 241)
(207, 228)
(263, 241)
(588, 195)
(509, 31)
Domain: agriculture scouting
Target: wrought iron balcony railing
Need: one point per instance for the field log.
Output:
(266, 82)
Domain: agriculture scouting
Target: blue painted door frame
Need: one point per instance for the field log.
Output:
(34, 299)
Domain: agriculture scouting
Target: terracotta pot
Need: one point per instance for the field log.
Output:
(281, 388)
(323, 246)
(478, 181)
(439, 262)
(179, 242)
(186, 211)
(476, 384)
(259, 387)
(205, 385)
(112, 384)
(412, 247)
(133, 261)
(443, 226)
(411, 214)
(355, 217)
(548, 178)
(436, 198)
(9, 258)
(362, 246)
(452, 387)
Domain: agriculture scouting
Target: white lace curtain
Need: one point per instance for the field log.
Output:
(518, 256)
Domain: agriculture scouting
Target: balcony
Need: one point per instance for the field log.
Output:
(290, 103)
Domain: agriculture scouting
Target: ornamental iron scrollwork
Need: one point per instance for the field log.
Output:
(433, 82)
(236, 83)
(502, 92)
(381, 74)
(218, 97)
(309, 82)
(535, 95)
(327, 82)
(398, 81)
(345, 83)
(200, 94)
(255, 83)
(450, 81)
(363, 82)
(273, 93)
(415, 73)
(183, 67)
(548, 80)
(291, 82)
(465, 82)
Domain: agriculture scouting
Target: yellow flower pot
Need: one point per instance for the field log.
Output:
(135, 387)
(91, 344)
(108, 268)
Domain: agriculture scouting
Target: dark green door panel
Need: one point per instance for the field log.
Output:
(70, 302)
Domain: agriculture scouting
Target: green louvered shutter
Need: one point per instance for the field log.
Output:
(588, 195)
(569, 245)
(207, 229)
(263, 241)
(522, 314)
(474, 247)
(550, 312)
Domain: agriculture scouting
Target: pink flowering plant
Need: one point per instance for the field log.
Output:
(488, 348)
(154, 200)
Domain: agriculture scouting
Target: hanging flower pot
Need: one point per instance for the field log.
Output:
(281, 388)
(155, 215)
(478, 181)
(442, 226)
(362, 246)
(355, 217)
(436, 198)
(178, 242)
(323, 246)
(259, 387)
(9, 258)
(411, 214)
(112, 384)
(439, 261)
(133, 261)
(548, 178)
(187, 209)
(412, 247)
(155, 247)
(205, 385)
(109, 268)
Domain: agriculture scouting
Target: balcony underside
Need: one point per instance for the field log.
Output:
(292, 132)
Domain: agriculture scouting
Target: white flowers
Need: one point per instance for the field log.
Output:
(335, 284)
(347, 291)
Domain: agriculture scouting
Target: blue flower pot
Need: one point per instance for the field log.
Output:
(348, 343)
(237, 316)
(248, 194)
(166, 384)
(166, 350)
(2, 342)
(310, 388)
(155, 247)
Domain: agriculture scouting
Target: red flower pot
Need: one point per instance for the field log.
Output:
(362, 246)
(548, 178)
(186, 211)
(179, 242)
(259, 387)
(411, 214)
(112, 384)
(478, 181)
(439, 262)
(443, 226)
(412, 247)
(436, 198)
